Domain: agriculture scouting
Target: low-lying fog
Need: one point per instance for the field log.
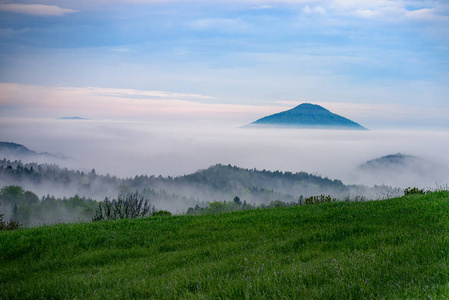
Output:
(127, 149)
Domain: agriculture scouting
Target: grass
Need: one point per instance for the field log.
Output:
(396, 248)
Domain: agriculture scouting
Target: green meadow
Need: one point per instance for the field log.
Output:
(388, 249)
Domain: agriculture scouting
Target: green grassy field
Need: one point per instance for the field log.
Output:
(397, 248)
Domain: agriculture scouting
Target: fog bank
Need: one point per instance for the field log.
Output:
(156, 148)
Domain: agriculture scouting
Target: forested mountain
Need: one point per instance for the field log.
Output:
(232, 178)
(395, 161)
(308, 115)
(217, 183)
(404, 170)
(18, 151)
(15, 148)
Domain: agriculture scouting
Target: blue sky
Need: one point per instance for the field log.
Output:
(370, 60)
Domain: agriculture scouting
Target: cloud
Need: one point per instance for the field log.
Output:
(35, 9)
(315, 10)
(421, 13)
(130, 104)
(105, 103)
(425, 14)
(384, 10)
(379, 9)
(263, 6)
(219, 24)
(132, 93)
(150, 147)
(367, 13)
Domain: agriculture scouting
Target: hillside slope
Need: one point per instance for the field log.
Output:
(397, 248)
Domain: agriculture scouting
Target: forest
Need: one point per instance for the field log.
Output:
(47, 193)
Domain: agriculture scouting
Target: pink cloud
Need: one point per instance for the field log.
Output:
(104, 103)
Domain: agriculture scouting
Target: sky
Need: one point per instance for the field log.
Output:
(382, 63)
(167, 85)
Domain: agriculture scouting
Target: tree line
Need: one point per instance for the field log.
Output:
(216, 183)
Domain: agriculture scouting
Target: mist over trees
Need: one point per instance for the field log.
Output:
(26, 209)
(176, 194)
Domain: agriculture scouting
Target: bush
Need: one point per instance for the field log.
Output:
(11, 225)
(162, 213)
(319, 199)
(129, 206)
(413, 191)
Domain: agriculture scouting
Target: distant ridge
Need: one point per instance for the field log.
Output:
(72, 118)
(402, 170)
(392, 161)
(16, 148)
(9, 149)
(309, 115)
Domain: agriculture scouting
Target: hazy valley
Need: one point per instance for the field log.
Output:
(127, 149)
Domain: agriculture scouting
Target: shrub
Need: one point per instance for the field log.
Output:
(129, 206)
(319, 199)
(162, 213)
(413, 191)
(11, 225)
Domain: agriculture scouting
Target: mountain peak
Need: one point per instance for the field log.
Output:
(309, 107)
(308, 115)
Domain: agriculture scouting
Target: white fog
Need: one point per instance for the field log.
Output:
(126, 149)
